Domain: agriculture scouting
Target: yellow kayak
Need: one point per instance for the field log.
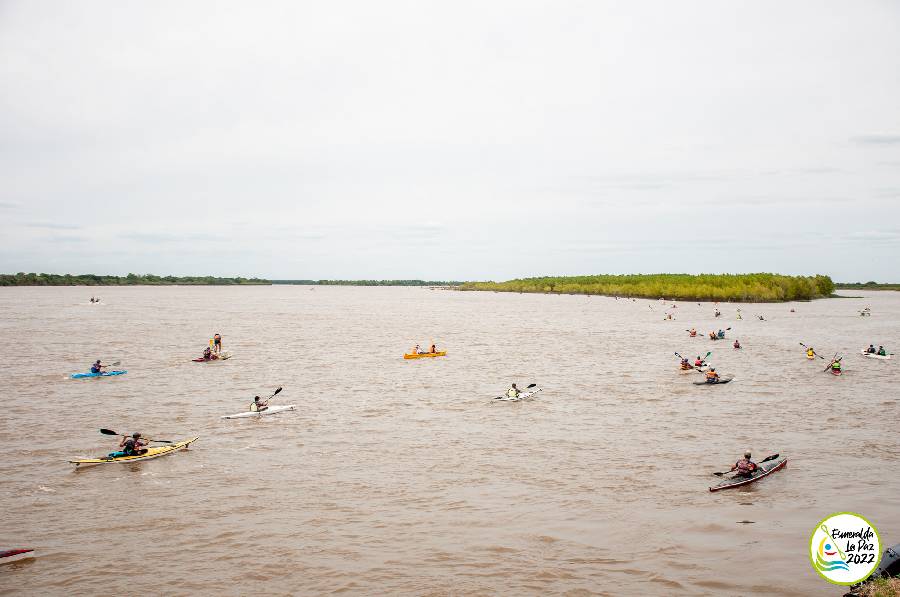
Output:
(424, 355)
(151, 453)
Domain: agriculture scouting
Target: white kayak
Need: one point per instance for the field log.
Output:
(272, 410)
(519, 398)
(871, 355)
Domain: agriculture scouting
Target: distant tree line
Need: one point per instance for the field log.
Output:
(866, 286)
(367, 282)
(23, 279)
(706, 287)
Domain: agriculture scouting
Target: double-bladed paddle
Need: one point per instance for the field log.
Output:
(766, 459)
(275, 393)
(161, 441)
(814, 352)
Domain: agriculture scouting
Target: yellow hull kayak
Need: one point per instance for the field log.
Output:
(151, 453)
(425, 355)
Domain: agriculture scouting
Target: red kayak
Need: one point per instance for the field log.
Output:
(835, 371)
(14, 555)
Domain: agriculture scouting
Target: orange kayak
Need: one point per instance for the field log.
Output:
(425, 355)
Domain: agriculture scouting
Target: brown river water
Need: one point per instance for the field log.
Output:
(402, 477)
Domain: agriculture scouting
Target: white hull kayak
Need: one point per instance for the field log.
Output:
(519, 398)
(870, 355)
(272, 410)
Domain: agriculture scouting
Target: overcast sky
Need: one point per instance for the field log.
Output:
(450, 140)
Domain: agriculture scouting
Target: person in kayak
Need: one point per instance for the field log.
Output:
(433, 349)
(699, 362)
(217, 342)
(98, 367)
(512, 392)
(836, 366)
(258, 405)
(693, 333)
(417, 350)
(131, 446)
(712, 376)
(207, 353)
(810, 353)
(685, 365)
(720, 334)
(745, 467)
(870, 349)
(881, 351)
(737, 344)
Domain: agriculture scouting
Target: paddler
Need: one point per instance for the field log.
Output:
(712, 376)
(737, 344)
(698, 362)
(712, 336)
(836, 365)
(685, 364)
(810, 353)
(98, 367)
(693, 333)
(207, 353)
(258, 405)
(416, 350)
(745, 467)
(881, 351)
(870, 349)
(217, 342)
(720, 334)
(129, 446)
(433, 349)
(512, 392)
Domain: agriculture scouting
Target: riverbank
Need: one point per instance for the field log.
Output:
(32, 279)
(745, 288)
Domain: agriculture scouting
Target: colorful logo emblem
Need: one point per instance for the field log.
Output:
(844, 548)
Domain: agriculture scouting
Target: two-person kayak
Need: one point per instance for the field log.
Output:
(763, 469)
(146, 454)
(101, 374)
(425, 355)
(873, 355)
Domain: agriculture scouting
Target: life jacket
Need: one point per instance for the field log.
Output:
(721, 334)
(836, 365)
(745, 466)
(882, 353)
(254, 407)
(512, 393)
(95, 369)
(698, 363)
(810, 353)
(128, 448)
(711, 375)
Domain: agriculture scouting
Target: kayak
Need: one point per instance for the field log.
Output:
(423, 355)
(220, 357)
(519, 398)
(706, 383)
(692, 369)
(146, 454)
(101, 374)
(811, 357)
(835, 371)
(871, 355)
(765, 469)
(14, 555)
(262, 413)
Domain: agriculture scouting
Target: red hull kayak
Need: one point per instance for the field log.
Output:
(14, 555)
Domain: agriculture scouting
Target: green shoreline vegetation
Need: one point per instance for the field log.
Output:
(23, 279)
(865, 286)
(746, 288)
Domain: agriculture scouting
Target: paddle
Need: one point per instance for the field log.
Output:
(814, 352)
(528, 387)
(161, 441)
(266, 401)
(766, 459)
(833, 361)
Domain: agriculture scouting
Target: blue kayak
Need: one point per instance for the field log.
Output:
(103, 374)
